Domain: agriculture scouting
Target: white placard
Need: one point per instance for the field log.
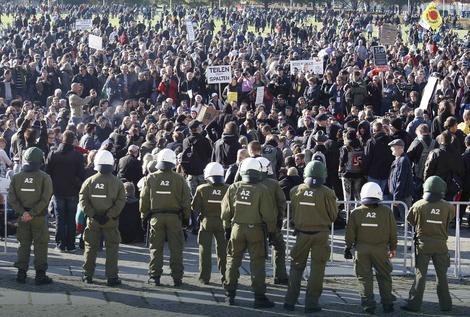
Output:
(259, 95)
(95, 42)
(4, 185)
(314, 66)
(190, 29)
(84, 24)
(428, 92)
(219, 74)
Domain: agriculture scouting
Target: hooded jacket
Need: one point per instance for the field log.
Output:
(225, 150)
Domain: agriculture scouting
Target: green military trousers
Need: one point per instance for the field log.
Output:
(211, 228)
(317, 245)
(92, 237)
(369, 257)
(34, 232)
(279, 255)
(166, 226)
(441, 263)
(252, 238)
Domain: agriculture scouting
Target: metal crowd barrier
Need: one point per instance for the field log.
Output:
(407, 235)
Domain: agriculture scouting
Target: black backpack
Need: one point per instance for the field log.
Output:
(190, 160)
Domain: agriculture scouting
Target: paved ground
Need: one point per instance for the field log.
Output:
(69, 296)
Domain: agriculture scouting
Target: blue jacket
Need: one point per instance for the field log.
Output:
(400, 181)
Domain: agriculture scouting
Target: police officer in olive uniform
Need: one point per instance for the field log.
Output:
(431, 217)
(314, 209)
(247, 218)
(207, 201)
(102, 198)
(279, 201)
(29, 194)
(165, 197)
(372, 231)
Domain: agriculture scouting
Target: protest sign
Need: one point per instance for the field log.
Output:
(95, 42)
(219, 74)
(314, 66)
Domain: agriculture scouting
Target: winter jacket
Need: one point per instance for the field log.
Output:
(378, 157)
(203, 148)
(67, 170)
(225, 150)
(400, 181)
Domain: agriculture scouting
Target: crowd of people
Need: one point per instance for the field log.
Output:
(146, 91)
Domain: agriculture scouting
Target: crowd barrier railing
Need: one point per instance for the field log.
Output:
(408, 235)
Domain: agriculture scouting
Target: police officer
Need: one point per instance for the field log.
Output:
(29, 194)
(247, 218)
(165, 197)
(314, 209)
(279, 201)
(372, 231)
(431, 217)
(207, 201)
(102, 198)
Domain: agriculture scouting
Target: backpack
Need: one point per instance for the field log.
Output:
(354, 163)
(419, 168)
(319, 156)
(190, 160)
(270, 152)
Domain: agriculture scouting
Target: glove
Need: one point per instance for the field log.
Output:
(145, 222)
(271, 238)
(348, 254)
(228, 233)
(102, 219)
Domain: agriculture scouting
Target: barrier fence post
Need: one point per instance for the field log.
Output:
(332, 238)
(288, 228)
(5, 247)
(405, 243)
(457, 241)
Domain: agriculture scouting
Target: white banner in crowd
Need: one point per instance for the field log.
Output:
(95, 42)
(259, 95)
(190, 29)
(83, 24)
(314, 66)
(219, 74)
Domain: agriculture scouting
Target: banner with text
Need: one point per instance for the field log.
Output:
(314, 66)
(83, 24)
(219, 74)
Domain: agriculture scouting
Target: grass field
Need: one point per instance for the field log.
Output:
(8, 20)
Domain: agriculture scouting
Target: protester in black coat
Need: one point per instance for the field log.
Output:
(226, 148)
(129, 221)
(129, 167)
(446, 163)
(377, 156)
(290, 181)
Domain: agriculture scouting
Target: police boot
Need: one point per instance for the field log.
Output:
(177, 282)
(154, 280)
(21, 276)
(388, 308)
(114, 281)
(230, 297)
(369, 310)
(261, 301)
(87, 279)
(42, 278)
(281, 281)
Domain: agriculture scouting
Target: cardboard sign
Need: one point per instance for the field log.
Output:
(232, 96)
(428, 93)
(95, 42)
(207, 114)
(83, 24)
(4, 185)
(259, 95)
(190, 29)
(387, 34)
(219, 74)
(379, 55)
(314, 66)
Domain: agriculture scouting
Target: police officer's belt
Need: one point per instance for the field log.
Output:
(307, 232)
(173, 212)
